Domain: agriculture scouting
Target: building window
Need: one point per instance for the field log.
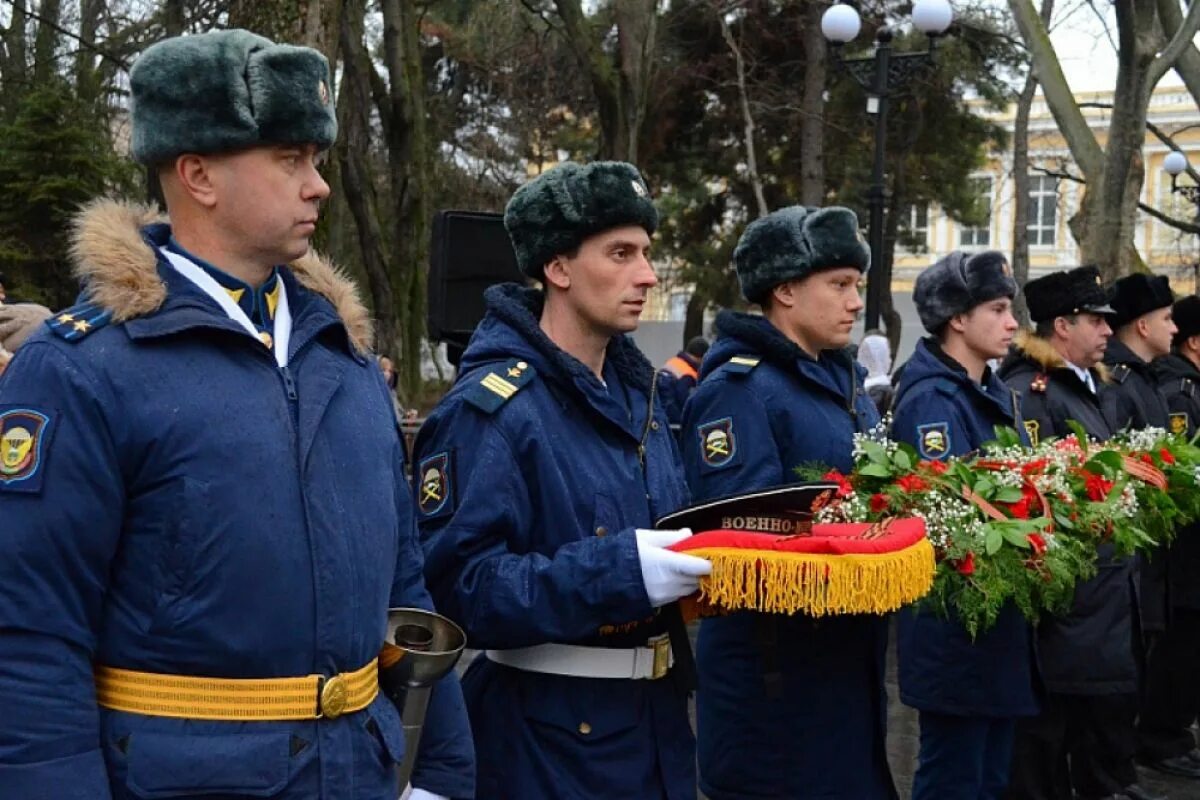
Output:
(914, 229)
(970, 236)
(1043, 210)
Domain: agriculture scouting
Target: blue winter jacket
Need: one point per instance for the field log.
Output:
(943, 413)
(818, 731)
(531, 478)
(195, 510)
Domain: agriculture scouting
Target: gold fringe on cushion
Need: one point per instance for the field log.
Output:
(817, 584)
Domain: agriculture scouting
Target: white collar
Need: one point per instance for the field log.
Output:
(1084, 375)
(282, 332)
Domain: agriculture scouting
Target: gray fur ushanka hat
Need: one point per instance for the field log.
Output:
(958, 282)
(228, 90)
(794, 242)
(557, 210)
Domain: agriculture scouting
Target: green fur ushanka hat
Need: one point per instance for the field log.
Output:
(557, 210)
(794, 242)
(228, 90)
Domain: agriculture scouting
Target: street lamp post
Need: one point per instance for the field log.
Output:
(1174, 164)
(880, 75)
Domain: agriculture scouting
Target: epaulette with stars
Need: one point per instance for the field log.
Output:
(497, 386)
(79, 321)
(1039, 383)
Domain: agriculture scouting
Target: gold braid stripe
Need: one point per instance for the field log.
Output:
(191, 697)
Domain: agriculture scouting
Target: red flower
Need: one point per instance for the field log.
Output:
(1097, 487)
(936, 467)
(1166, 456)
(966, 566)
(912, 483)
(1020, 509)
(844, 488)
(1069, 444)
(1037, 542)
(879, 502)
(1035, 467)
(1146, 459)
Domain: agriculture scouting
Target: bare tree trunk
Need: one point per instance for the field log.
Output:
(620, 90)
(174, 18)
(812, 108)
(87, 85)
(358, 189)
(409, 164)
(693, 320)
(45, 43)
(747, 116)
(312, 23)
(1020, 254)
(14, 44)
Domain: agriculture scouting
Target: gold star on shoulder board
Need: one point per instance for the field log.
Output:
(82, 326)
(65, 318)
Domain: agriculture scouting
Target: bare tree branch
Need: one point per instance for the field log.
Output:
(747, 116)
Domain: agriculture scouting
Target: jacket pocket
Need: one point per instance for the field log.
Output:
(181, 542)
(165, 765)
(382, 721)
(576, 712)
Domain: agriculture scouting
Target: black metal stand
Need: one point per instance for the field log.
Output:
(880, 75)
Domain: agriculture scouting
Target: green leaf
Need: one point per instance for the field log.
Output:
(1007, 437)
(993, 542)
(985, 488)
(1107, 458)
(1080, 434)
(875, 471)
(1015, 537)
(902, 461)
(875, 452)
(1009, 494)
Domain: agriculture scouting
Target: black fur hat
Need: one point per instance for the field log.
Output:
(557, 210)
(1072, 291)
(228, 90)
(959, 282)
(1138, 294)
(1187, 318)
(795, 242)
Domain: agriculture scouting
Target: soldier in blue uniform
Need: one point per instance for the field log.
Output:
(538, 477)
(969, 693)
(788, 707)
(205, 513)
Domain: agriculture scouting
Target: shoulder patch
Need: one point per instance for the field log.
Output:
(1179, 422)
(1120, 372)
(933, 440)
(1039, 383)
(718, 444)
(78, 322)
(742, 365)
(497, 386)
(24, 441)
(435, 489)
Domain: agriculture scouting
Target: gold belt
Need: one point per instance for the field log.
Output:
(244, 699)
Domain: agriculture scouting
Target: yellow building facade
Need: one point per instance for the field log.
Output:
(1054, 200)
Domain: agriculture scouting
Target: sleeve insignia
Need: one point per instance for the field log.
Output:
(497, 386)
(742, 365)
(1179, 422)
(717, 443)
(433, 485)
(24, 438)
(1033, 428)
(79, 321)
(933, 440)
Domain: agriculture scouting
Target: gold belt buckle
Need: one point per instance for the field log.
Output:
(662, 655)
(334, 696)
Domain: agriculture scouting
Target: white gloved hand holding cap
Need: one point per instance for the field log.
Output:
(666, 574)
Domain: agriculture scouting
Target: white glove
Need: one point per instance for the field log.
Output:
(420, 794)
(668, 575)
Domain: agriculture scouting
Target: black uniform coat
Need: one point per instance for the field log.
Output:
(1179, 380)
(1089, 650)
(1135, 402)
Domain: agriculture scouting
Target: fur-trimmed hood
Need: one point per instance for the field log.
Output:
(112, 259)
(1029, 346)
